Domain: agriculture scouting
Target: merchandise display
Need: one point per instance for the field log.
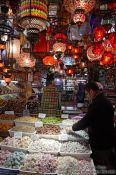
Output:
(49, 129)
(51, 120)
(24, 142)
(26, 119)
(42, 163)
(45, 145)
(68, 165)
(23, 128)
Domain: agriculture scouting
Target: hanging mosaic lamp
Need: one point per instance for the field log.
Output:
(107, 58)
(26, 60)
(99, 32)
(59, 36)
(69, 61)
(13, 48)
(59, 47)
(49, 60)
(72, 5)
(97, 48)
(79, 16)
(33, 15)
(107, 45)
(91, 56)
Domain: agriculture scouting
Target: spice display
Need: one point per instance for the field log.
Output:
(3, 156)
(4, 127)
(33, 107)
(45, 145)
(68, 165)
(49, 129)
(23, 128)
(42, 163)
(7, 117)
(14, 160)
(74, 147)
(27, 119)
(17, 143)
(51, 120)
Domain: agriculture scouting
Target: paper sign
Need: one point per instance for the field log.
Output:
(63, 137)
(18, 135)
(9, 112)
(41, 115)
(34, 137)
(64, 115)
(38, 124)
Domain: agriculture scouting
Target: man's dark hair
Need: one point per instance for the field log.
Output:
(91, 86)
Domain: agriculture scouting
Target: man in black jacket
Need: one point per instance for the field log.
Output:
(100, 123)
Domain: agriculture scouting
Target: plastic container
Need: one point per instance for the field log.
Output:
(11, 133)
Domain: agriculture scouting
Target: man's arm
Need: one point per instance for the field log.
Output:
(85, 121)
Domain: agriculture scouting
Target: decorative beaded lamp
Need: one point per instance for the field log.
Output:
(69, 61)
(33, 15)
(49, 60)
(59, 47)
(26, 60)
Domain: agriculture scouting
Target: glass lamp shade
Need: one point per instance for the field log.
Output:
(49, 60)
(98, 48)
(91, 56)
(79, 17)
(26, 61)
(13, 48)
(68, 61)
(59, 36)
(1, 64)
(107, 45)
(99, 32)
(107, 58)
(69, 71)
(72, 5)
(59, 47)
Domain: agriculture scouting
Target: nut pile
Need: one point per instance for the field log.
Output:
(69, 122)
(7, 117)
(3, 156)
(42, 163)
(51, 120)
(49, 129)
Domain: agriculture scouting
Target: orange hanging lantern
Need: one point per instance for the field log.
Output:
(1, 64)
(70, 47)
(69, 71)
(76, 56)
(49, 60)
(99, 33)
(107, 58)
(76, 50)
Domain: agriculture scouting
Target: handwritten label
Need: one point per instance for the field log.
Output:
(41, 115)
(38, 124)
(9, 112)
(63, 137)
(34, 137)
(64, 115)
(18, 135)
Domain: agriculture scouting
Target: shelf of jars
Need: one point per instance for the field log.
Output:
(41, 145)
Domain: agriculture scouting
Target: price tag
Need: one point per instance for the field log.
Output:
(9, 112)
(64, 115)
(63, 137)
(38, 124)
(18, 135)
(62, 126)
(34, 137)
(41, 115)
